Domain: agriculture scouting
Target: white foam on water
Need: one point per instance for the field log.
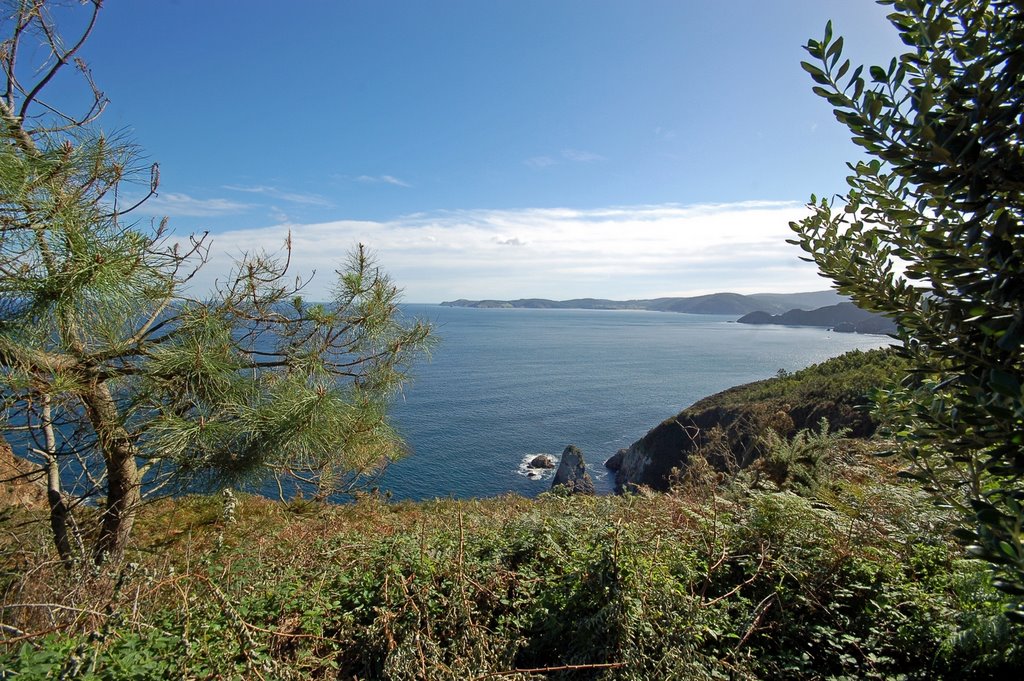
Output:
(524, 469)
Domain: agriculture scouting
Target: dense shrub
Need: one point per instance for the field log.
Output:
(719, 579)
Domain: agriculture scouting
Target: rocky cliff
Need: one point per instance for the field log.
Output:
(730, 428)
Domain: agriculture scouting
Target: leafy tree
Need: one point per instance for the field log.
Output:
(118, 378)
(930, 234)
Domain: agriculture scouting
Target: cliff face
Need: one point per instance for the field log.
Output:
(730, 427)
(730, 437)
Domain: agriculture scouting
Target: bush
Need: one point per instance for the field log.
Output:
(857, 579)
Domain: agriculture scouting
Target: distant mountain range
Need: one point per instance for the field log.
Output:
(714, 303)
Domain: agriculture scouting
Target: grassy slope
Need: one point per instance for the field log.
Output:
(835, 389)
(737, 421)
(816, 561)
(718, 579)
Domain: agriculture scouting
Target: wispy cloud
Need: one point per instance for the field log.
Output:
(665, 134)
(612, 252)
(540, 161)
(581, 156)
(382, 179)
(282, 195)
(279, 216)
(182, 205)
(566, 155)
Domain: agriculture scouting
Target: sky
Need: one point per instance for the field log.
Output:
(488, 148)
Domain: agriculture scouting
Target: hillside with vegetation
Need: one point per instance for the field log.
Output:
(818, 563)
(736, 426)
(815, 559)
(842, 317)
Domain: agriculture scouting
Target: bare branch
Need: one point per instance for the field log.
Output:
(154, 182)
(62, 58)
(10, 58)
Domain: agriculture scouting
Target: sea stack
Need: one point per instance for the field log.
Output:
(572, 472)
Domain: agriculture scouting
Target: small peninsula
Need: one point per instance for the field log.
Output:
(842, 317)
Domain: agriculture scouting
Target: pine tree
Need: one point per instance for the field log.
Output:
(115, 375)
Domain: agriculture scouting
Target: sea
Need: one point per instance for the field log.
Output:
(504, 385)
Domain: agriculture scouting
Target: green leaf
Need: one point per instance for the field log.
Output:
(1015, 614)
(1004, 383)
(816, 73)
(965, 535)
(835, 50)
(1009, 551)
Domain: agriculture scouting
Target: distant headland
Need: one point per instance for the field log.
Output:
(815, 308)
(842, 317)
(714, 303)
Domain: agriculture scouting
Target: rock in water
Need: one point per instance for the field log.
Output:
(541, 461)
(572, 472)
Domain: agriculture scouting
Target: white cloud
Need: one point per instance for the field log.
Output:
(382, 179)
(614, 252)
(572, 155)
(281, 195)
(279, 216)
(182, 205)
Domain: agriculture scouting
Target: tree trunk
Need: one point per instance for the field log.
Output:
(123, 499)
(59, 521)
(58, 508)
(123, 483)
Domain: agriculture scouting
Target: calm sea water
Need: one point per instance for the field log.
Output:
(505, 385)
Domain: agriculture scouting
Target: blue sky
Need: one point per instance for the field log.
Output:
(490, 148)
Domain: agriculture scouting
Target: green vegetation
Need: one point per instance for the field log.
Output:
(931, 234)
(739, 578)
(113, 373)
(816, 560)
(845, 379)
(734, 427)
